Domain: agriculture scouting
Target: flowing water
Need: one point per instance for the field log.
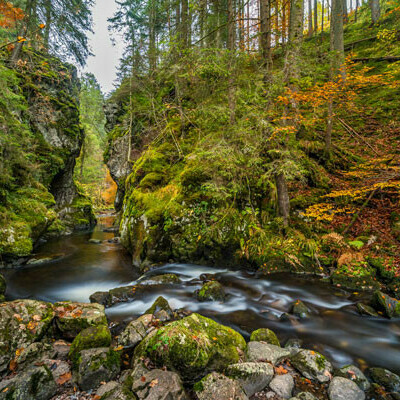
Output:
(335, 328)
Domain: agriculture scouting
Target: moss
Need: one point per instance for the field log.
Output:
(160, 304)
(265, 335)
(211, 291)
(192, 346)
(98, 336)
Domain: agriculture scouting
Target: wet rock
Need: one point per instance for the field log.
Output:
(59, 369)
(344, 389)
(211, 291)
(294, 343)
(192, 346)
(304, 396)
(22, 323)
(2, 287)
(61, 349)
(283, 385)
(107, 388)
(385, 378)
(387, 304)
(123, 294)
(161, 310)
(96, 366)
(159, 385)
(35, 383)
(363, 309)
(252, 377)
(42, 260)
(135, 332)
(299, 309)
(119, 394)
(90, 338)
(72, 318)
(265, 335)
(165, 279)
(312, 365)
(354, 374)
(99, 298)
(35, 352)
(95, 241)
(216, 386)
(259, 351)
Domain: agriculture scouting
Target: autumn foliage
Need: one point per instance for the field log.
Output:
(9, 15)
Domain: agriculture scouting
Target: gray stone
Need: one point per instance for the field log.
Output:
(96, 366)
(164, 279)
(95, 241)
(354, 374)
(119, 393)
(135, 332)
(294, 343)
(35, 352)
(58, 368)
(161, 310)
(107, 388)
(252, 377)
(304, 396)
(159, 385)
(217, 386)
(385, 378)
(312, 365)
(344, 389)
(260, 351)
(283, 385)
(61, 349)
(35, 383)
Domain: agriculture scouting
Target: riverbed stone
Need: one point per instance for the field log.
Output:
(165, 279)
(364, 309)
(22, 322)
(72, 318)
(95, 366)
(217, 386)
(161, 309)
(252, 377)
(294, 343)
(387, 304)
(312, 365)
(192, 346)
(159, 385)
(35, 352)
(304, 396)
(211, 291)
(299, 309)
(90, 338)
(283, 385)
(264, 352)
(265, 335)
(385, 378)
(354, 374)
(136, 331)
(107, 388)
(99, 298)
(344, 389)
(34, 383)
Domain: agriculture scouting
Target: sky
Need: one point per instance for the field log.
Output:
(103, 64)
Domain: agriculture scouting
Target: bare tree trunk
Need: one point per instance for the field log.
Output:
(231, 48)
(283, 198)
(48, 25)
(315, 16)
(375, 10)
(185, 24)
(30, 4)
(345, 13)
(202, 18)
(310, 27)
(356, 11)
(322, 15)
(265, 34)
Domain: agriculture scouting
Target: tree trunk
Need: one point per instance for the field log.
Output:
(375, 10)
(202, 21)
(322, 15)
(310, 27)
(24, 31)
(356, 11)
(345, 13)
(283, 198)
(48, 25)
(152, 38)
(265, 34)
(315, 16)
(185, 24)
(337, 41)
(231, 48)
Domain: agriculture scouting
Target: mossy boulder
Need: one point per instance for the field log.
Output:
(265, 335)
(90, 338)
(385, 378)
(354, 374)
(367, 310)
(161, 309)
(355, 275)
(312, 365)
(22, 322)
(299, 309)
(95, 366)
(211, 291)
(388, 305)
(166, 279)
(72, 318)
(192, 347)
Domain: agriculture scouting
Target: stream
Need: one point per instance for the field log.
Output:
(335, 328)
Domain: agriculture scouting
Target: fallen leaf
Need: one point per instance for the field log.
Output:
(13, 366)
(281, 370)
(37, 318)
(119, 348)
(143, 379)
(64, 378)
(154, 383)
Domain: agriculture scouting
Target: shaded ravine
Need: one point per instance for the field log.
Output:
(335, 328)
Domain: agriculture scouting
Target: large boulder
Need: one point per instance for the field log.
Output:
(72, 318)
(211, 291)
(95, 366)
(387, 304)
(216, 386)
(159, 385)
(265, 335)
(90, 338)
(135, 332)
(385, 378)
(35, 383)
(161, 309)
(313, 365)
(344, 389)
(22, 322)
(252, 377)
(192, 346)
(354, 374)
(260, 351)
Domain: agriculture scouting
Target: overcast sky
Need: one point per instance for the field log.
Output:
(106, 57)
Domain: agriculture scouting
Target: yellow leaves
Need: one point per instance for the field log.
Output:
(32, 325)
(18, 352)
(21, 39)
(119, 348)
(325, 212)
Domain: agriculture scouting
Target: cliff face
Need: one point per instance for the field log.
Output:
(41, 138)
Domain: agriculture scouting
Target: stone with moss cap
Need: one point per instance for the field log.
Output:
(165, 279)
(72, 318)
(22, 322)
(299, 309)
(211, 291)
(385, 378)
(192, 347)
(89, 338)
(387, 304)
(312, 365)
(265, 335)
(161, 309)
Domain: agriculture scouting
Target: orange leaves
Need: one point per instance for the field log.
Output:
(64, 378)
(42, 26)
(9, 14)
(281, 370)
